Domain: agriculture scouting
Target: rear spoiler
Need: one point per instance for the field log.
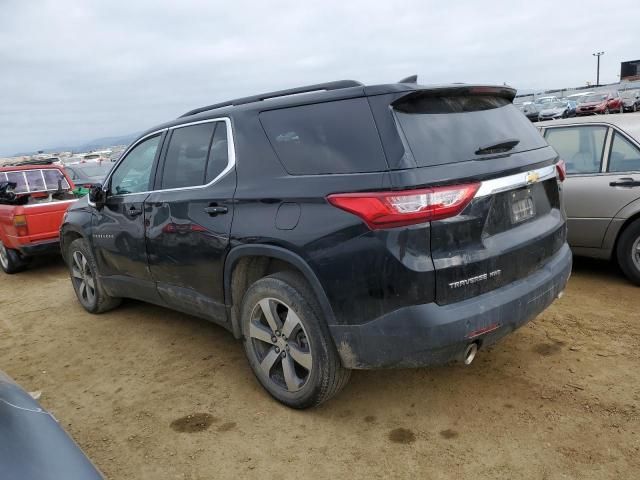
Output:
(459, 90)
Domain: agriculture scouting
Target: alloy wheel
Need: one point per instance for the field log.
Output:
(635, 253)
(83, 278)
(280, 344)
(4, 257)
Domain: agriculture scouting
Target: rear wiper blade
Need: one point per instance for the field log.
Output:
(501, 147)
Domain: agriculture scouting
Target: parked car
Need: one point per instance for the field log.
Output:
(602, 189)
(600, 103)
(578, 97)
(542, 102)
(529, 109)
(349, 227)
(33, 445)
(85, 175)
(631, 100)
(555, 110)
(33, 199)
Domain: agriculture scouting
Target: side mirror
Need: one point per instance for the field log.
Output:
(97, 196)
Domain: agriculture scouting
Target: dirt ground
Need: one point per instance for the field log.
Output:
(153, 394)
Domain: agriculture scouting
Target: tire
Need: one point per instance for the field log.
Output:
(11, 261)
(628, 251)
(314, 374)
(85, 280)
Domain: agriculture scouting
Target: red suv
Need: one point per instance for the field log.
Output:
(603, 102)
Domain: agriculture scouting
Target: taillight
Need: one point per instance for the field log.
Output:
(20, 222)
(561, 169)
(408, 207)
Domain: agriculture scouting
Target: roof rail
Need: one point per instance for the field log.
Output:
(337, 85)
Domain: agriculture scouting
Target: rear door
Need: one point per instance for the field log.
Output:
(582, 147)
(515, 222)
(593, 199)
(118, 228)
(189, 217)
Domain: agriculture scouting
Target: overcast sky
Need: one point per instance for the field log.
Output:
(75, 70)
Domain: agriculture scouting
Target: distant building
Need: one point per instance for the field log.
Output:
(630, 71)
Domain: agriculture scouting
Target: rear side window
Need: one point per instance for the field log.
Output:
(218, 153)
(580, 147)
(35, 180)
(186, 159)
(331, 137)
(624, 156)
(449, 129)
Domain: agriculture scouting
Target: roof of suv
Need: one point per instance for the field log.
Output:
(337, 90)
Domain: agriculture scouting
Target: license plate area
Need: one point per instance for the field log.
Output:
(522, 206)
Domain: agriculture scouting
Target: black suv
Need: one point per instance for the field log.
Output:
(333, 227)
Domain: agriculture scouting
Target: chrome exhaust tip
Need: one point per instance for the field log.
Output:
(470, 353)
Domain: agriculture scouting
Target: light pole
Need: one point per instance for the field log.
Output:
(598, 54)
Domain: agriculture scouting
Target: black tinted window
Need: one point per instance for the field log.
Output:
(186, 159)
(331, 137)
(441, 130)
(219, 152)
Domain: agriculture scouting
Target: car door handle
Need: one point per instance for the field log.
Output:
(214, 210)
(625, 182)
(134, 212)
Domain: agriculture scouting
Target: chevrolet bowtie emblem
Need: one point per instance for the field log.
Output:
(532, 177)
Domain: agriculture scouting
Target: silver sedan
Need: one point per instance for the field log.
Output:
(602, 189)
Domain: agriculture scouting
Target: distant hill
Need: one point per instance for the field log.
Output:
(97, 144)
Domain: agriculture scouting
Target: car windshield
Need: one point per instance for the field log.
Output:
(596, 97)
(545, 100)
(93, 170)
(630, 94)
(555, 105)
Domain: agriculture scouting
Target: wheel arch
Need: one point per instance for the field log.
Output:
(69, 233)
(633, 218)
(243, 254)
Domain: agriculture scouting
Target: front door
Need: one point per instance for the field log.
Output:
(189, 218)
(119, 227)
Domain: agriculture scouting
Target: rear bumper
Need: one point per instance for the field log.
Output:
(431, 334)
(47, 247)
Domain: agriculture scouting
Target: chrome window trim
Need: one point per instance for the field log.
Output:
(510, 182)
(231, 154)
(604, 163)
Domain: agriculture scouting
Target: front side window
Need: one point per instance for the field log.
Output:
(624, 156)
(186, 160)
(580, 147)
(134, 172)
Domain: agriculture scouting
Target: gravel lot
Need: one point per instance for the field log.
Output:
(149, 393)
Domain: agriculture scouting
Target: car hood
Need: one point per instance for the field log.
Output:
(553, 111)
(591, 104)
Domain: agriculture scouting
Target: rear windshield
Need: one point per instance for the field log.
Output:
(35, 180)
(330, 137)
(450, 129)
